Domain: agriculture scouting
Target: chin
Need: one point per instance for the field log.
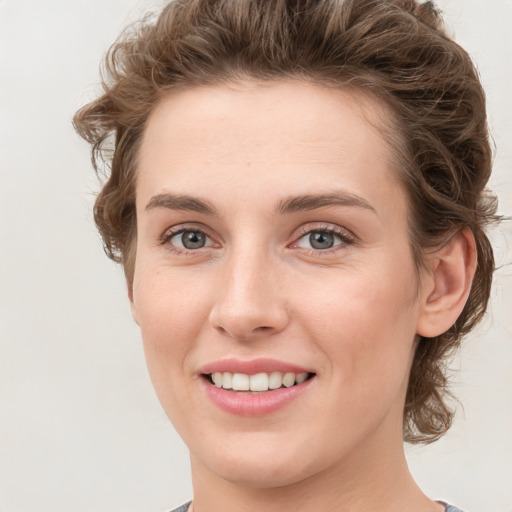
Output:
(260, 474)
(259, 462)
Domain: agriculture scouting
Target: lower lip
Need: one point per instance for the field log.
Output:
(246, 404)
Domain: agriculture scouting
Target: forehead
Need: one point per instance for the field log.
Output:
(302, 113)
(263, 136)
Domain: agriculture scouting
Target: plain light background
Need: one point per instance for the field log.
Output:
(80, 427)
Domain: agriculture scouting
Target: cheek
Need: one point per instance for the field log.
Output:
(367, 339)
(171, 313)
(364, 323)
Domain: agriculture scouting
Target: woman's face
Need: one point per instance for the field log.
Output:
(272, 239)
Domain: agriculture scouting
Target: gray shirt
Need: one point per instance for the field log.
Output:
(184, 508)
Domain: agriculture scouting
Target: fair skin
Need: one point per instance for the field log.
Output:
(231, 266)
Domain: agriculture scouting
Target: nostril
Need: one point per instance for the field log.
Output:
(243, 321)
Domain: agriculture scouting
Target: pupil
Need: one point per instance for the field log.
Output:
(193, 239)
(321, 240)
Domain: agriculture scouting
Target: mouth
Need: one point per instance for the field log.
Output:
(256, 387)
(257, 383)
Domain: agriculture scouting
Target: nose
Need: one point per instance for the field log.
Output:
(250, 301)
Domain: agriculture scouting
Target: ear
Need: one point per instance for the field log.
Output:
(133, 307)
(446, 287)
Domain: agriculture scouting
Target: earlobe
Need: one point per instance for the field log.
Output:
(448, 284)
(135, 315)
(133, 307)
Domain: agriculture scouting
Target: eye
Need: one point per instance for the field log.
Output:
(189, 239)
(318, 240)
(323, 239)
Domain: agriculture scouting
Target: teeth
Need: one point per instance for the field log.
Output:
(227, 380)
(289, 380)
(275, 380)
(301, 377)
(258, 381)
(217, 378)
(240, 382)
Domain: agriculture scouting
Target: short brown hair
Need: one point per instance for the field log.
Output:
(396, 50)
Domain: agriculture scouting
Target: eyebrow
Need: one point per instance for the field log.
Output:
(291, 204)
(181, 202)
(313, 201)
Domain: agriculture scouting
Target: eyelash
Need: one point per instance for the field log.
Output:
(346, 239)
(171, 233)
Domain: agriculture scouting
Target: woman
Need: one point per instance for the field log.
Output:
(297, 197)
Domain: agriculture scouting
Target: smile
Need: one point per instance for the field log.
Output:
(259, 382)
(255, 394)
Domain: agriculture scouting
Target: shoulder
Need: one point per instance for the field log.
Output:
(183, 508)
(451, 508)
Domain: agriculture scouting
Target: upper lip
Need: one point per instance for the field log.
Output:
(252, 366)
